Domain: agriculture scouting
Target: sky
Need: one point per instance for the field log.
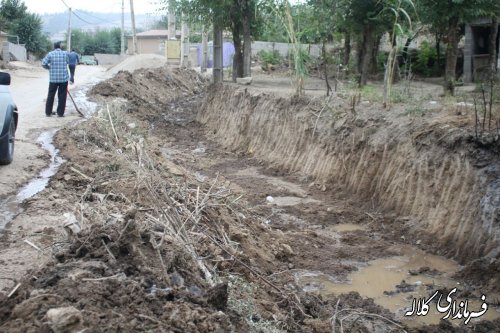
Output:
(102, 6)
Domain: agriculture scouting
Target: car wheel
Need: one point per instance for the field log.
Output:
(7, 147)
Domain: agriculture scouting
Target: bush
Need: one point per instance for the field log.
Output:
(426, 61)
(268, 58)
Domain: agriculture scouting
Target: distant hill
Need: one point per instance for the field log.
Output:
(55, 24)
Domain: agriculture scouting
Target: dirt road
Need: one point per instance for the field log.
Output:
(29, 91)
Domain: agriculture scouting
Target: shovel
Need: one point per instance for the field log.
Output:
(76, 107)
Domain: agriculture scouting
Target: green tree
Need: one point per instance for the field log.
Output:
(10, 11)
(368, 20)
(400, 17)
(101, 41)
(238, 16)
(29, 30)
(448, 16)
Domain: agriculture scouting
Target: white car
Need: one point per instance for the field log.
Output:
(8, 120)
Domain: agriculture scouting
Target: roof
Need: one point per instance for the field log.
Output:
(3, 33)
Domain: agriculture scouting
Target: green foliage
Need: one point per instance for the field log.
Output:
(15, 19)
(29, 30)
(371, 93)
(381, 61)
(267, 58)
(10, 11)
(426, 61)
(102, 41)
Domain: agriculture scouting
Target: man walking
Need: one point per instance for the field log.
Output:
(73, 61)
(56, 62)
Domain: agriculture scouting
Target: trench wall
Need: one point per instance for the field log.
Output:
(414, 170)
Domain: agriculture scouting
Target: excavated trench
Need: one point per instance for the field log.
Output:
(353, 212)
(440, 190)
(427, 170)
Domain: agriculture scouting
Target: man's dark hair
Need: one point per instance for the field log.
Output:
(57, 45)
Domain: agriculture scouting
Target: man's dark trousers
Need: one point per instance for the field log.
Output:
(72, 73)
(62, 91)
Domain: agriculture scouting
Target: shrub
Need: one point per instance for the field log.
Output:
(268, 58)
(426, 61)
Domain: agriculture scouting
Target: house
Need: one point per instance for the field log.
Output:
(151, 42)
(476, 49)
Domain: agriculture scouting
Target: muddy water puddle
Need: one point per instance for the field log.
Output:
(394, 282)
(10, 207)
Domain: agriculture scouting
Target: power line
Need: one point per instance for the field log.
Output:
(65, 4)
(98, 18)
(78, 17)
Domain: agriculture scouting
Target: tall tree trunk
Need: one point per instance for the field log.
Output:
(493, 61)
(366, 54)
(374, 54)
(347, 49)
(236, 28)
(247, 38)
(238, 52)
(438, 52)
(451, 56)
(325, 64)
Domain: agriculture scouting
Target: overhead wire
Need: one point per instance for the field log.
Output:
(81, 19)
(76, 15)
(98, 18)
(65, 4)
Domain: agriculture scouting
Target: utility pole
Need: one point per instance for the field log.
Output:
(134, 36)
(68, 38)
(185, 45)
(122, 45)
(218, 53)
(204, 50)
(171, 20)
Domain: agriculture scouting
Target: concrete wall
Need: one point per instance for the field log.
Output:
(283, 48)
(14, 52)
(469, 49)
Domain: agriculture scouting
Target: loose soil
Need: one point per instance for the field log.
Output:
(180, 234)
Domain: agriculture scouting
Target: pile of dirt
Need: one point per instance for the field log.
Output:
(158, 251)
(114, 278)
(150, 90)
(139, 61)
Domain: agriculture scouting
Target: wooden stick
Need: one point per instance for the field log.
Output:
(111, 121)
(107, 250)
(76, 107)
(32, 245)
(80, 173)
(14, 290)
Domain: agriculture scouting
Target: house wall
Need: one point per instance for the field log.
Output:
(470, 46)
(148, 45)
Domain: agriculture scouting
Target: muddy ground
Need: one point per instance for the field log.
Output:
(181, 235)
